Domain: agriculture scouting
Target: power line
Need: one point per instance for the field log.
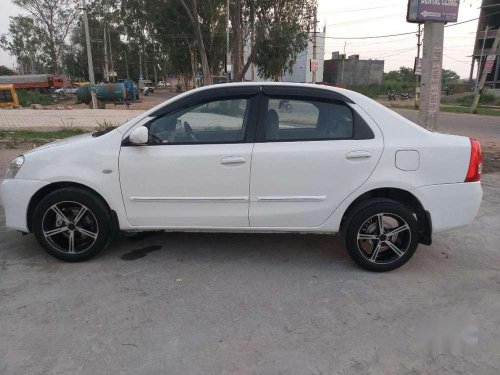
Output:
(357, 9)
(364, 19)
(367, 37)
(460, 61)
(398, 34)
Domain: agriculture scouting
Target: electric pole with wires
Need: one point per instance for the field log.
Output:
(89, 56)
(417, 72)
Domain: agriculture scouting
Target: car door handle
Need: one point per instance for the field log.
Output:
(358, 155)
(233, 160)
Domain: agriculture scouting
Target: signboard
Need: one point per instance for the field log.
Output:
(417, 67)
(313, 65)
(488, 64)
(432, 10)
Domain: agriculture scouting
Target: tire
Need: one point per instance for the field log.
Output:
(72, 224)
(376, 250)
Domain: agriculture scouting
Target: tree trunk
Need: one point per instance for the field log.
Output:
(249, 62)
(54, 66)
(194, 18)
(237, 41)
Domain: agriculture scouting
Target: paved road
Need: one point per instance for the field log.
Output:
(484, 128)
(253, 304)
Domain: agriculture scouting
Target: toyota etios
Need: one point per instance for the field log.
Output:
(252, 157)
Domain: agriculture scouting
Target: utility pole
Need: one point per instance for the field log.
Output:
(479, 89)
(228, 55)
(106, 65)
(140, 64)
(343, 64)
(113, 75)
(314, 46)
(154, 63)
(126, 63)
(476, 89)
(89, 56)
(417, 76)
(432, 62)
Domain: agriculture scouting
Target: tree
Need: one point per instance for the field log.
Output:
(4, 71)
(449, 77)
(404, 75)
(275, 31)
(53, 19)
(23, 42)
(277, 54)
(205, 20)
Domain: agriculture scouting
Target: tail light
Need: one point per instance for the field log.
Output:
(476, 162)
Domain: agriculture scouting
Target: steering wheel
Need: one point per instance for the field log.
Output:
(189, 131)
(155, 140)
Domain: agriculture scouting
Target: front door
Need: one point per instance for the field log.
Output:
(195, 170)
(309, 157)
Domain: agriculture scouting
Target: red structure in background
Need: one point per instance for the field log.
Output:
(34, 81)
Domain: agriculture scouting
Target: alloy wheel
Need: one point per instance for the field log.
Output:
(384, 238)
(70, 227)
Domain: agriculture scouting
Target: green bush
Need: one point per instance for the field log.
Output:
(486, 98)
(375, 91)
(28, 97)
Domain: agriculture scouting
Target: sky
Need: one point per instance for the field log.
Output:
(358, 18)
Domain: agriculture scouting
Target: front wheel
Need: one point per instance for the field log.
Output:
(381, 235)
(72, 224)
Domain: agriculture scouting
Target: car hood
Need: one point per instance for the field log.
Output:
(71, 140)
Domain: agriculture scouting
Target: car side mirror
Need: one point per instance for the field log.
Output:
(139, 136)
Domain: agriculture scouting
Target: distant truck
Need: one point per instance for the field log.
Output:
(33, 81)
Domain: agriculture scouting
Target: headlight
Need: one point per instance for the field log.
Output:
(14, 167)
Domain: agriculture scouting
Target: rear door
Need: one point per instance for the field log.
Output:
(311, 153)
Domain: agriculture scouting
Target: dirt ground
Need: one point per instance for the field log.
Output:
(144, 103)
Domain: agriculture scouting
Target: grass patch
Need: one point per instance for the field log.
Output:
(480, 111)
(28, 97)
(15, 138)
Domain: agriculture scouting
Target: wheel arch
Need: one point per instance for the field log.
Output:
(401, 196)
(47, 189)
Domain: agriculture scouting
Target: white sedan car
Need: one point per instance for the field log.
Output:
(251, 158)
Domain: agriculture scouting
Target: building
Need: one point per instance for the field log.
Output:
(353, 71)
(488, 18)
(301, 71)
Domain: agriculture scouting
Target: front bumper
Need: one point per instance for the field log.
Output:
(16, 196)
(451, 205)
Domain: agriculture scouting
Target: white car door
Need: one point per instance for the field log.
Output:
(308, 157)
(195, 170)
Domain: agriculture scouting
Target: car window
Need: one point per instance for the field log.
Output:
(217, 121)
(293, 120)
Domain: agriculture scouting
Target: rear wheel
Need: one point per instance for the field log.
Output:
(381, 235)
(72, 224)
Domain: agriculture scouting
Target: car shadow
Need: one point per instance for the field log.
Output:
(234, 247)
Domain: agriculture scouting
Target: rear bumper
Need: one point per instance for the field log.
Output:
(450, 205)
(16, 196)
